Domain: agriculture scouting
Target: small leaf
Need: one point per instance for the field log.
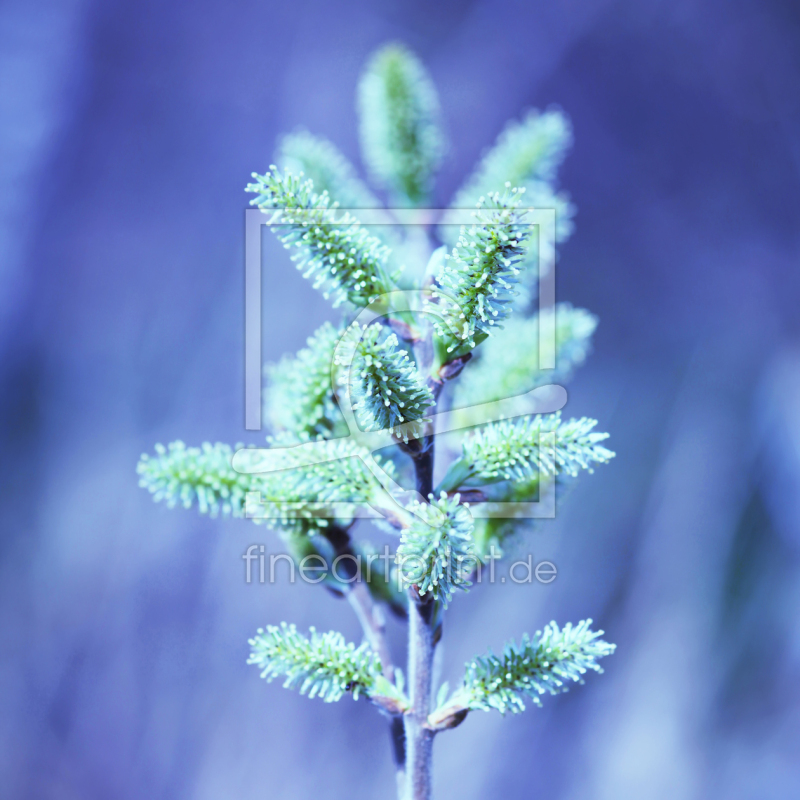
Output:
(441, 697)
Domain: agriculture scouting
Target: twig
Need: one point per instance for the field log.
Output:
(373, 625)
(422, 638)
(419, 737)
(370, 617)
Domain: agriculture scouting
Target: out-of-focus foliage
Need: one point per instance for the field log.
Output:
(508, 363)
(321, 161)
(300, 397)
(401, 137)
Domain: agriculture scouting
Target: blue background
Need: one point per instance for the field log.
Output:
(128, 132)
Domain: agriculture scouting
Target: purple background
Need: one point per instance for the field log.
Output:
(128, 132)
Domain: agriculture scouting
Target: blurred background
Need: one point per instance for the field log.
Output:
(128, 133)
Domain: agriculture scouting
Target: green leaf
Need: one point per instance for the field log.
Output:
(381, 579)
(527, 154)
(442, 695)
(319, 160)
(293, 498)
(184, 475)
(492, 533)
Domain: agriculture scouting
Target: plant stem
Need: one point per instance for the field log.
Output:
(424, 624)
(421, 644)
(398, 733)
(373, 626)
(372, 623)
(423, 467)
(419, 738)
